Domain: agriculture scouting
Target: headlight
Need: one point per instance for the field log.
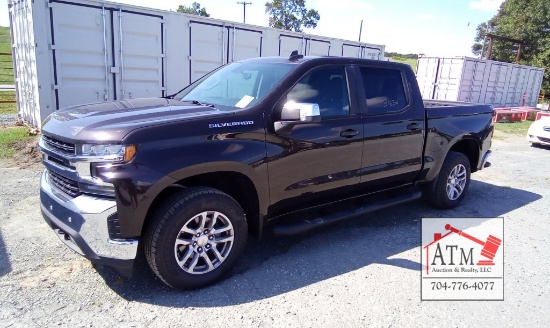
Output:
(118, 153)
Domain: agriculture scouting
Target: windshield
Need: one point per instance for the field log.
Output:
(238, 85)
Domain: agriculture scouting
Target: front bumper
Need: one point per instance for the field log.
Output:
(537, 139)
(82, 224)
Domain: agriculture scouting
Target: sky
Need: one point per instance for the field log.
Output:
(430, 27)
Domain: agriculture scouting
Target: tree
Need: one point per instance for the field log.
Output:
(481, 43)
(291, 15)
(528, 21)
(194, 9)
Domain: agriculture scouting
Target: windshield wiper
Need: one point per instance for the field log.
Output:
(196, 102)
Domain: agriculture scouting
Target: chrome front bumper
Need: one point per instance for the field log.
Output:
(485, 160)
(81, 223)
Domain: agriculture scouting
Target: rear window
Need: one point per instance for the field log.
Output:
(384, 90)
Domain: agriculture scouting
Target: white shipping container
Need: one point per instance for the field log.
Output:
(69, 52)
(478, 81)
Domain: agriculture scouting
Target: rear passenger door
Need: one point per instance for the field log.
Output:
(393, 128)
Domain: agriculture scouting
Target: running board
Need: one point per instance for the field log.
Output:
(307, 225)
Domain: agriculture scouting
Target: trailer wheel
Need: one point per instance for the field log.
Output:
(452, 182)
(195, 238)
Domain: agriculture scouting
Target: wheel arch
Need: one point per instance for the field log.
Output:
(470, 148)
(237, 184)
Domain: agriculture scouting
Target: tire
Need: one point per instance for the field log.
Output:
(451, 183)
(195, 238)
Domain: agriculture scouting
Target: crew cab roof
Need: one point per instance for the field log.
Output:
(324, 60)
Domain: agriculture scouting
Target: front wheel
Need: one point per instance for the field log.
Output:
(195, 238)
(452, 182)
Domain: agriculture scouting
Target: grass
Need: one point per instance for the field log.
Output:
(409, 61)
(6, 61)
(9, 136)
(8, 108)
(518, 128)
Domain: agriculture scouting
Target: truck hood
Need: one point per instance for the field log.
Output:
(111, 121)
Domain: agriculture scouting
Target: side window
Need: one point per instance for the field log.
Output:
(325, 86)
(384, 90)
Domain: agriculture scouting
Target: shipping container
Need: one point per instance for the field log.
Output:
(479, 81)
(73, 52)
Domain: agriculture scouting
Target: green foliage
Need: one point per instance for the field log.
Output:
(524, 20)
(9, 136)
(398, 55)
(194, 9)
(291, 15)
(409, 59)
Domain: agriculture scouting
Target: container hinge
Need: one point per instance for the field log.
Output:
(50, 4)
(55, 87)
(162, 55)
(52, 47)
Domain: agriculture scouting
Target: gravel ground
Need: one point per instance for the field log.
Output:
(358, 273)
(7, 118)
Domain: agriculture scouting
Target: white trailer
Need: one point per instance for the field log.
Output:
(69, 52)
(479, 81)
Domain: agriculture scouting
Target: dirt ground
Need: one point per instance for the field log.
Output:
(364, 272)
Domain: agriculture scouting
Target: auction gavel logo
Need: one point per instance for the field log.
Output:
(490, 247)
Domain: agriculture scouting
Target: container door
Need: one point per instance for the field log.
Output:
(318, 47)
(244, 43)
(81, 55)
(494, 94)
(426, 75)
(289, 43)
(533, 87)
(138, 68)
(472, 81)
(448, 81)
(518, 79)
(351, 50)
(371, 53)
(24, 60)
(208, 48)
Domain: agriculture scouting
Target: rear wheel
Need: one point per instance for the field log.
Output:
(452, 182)
(195, 238)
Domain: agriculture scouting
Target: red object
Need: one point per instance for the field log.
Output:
(507, 115)
(437, 236)
(541, 114)
(522, 112)
(527, 113)
(490, 247)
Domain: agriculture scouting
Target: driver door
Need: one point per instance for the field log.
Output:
(317, 161)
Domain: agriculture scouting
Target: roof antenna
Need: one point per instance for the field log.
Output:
(294, 55)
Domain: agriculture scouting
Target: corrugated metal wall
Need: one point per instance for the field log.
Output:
(479, 81)
(72, 52)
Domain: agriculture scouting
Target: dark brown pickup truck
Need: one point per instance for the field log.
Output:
(276, 143)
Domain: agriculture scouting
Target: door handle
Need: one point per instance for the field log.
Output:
(349, 133)
(413, 126)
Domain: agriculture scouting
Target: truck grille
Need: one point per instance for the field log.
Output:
(62, 146)
(547, 140)
(68, 186)
(546, 128)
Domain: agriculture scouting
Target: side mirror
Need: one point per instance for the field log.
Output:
(294, 112)
(297, 113)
